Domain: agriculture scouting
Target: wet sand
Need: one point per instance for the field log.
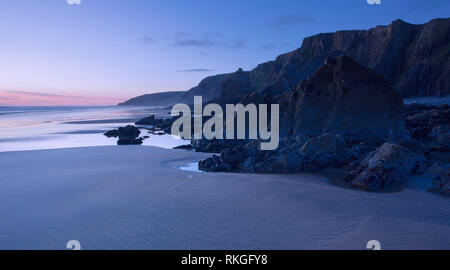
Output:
(136, 197)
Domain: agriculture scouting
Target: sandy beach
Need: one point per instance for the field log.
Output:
(135, 197)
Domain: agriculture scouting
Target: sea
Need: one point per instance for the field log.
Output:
(35, 128)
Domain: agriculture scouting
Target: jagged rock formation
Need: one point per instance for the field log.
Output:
(430, 124)
(342, 103)
(323, 151)
(126, 135)
(343, 98)
(415, 59)
(387, 165)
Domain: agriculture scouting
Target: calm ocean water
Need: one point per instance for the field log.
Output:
(32, 128)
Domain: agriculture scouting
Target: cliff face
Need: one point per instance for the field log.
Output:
(221, 88)
(343, 98)
(415, 60)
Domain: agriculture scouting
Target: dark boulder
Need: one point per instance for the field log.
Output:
(430, 125)
(126, 135)
(386, 165)
(323, 151)
(128, 131)
(213, 164)
(240, 157)
(284, 161)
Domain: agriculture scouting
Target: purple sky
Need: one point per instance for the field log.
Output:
(105, 51)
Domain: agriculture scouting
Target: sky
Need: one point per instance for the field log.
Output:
(101, 52)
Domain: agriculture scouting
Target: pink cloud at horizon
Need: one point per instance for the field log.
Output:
(25, 98)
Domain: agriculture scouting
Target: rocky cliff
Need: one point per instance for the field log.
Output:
(415, 59)
(222, 88)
